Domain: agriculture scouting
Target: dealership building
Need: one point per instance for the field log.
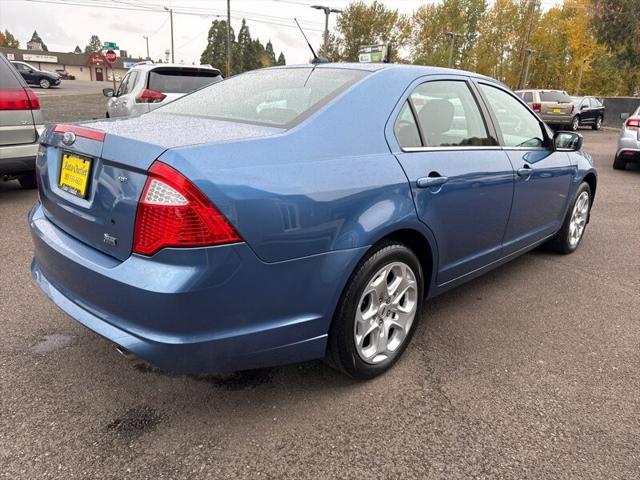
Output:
(82, 66)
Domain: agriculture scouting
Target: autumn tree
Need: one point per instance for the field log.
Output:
(430, 45)
(8, 40)
(362, 24)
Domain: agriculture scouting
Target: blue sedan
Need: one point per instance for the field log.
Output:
(297, 213)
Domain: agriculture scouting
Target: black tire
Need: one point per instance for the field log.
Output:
(619, 163)
(28, 181)
(44, 83)
(561, 242)
(598, 124)
(341, 351)
(575, 124)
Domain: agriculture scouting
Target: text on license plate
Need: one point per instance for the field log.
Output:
(74, 174)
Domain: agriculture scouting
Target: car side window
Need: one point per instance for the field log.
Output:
(448, 115)
(519, 127)
(122, 89)
(131, 83)
(406, 129)
(528, 97)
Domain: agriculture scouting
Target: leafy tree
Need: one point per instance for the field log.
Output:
(617, 26)
(95, 45)
(8, 40)
(281, 60)
(36, 38)
(431, 46)
(362, 24)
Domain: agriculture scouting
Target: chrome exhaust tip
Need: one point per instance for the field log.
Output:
(125, 353)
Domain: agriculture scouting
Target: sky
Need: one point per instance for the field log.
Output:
(62, 26)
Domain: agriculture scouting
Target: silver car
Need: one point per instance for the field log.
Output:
(628, 142)
(148, 86)
(21, 124)
(554, 107)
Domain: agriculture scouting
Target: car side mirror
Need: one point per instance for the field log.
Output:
(624, 116)
(567, 141)
(583, 107)
(108, 92)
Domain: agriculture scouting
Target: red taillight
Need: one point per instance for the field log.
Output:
(84, 132)
(173, 213)
(150, 96)
(18, 99)
(537, 107)
(633, 123)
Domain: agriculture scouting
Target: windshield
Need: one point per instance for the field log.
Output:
(279, 97)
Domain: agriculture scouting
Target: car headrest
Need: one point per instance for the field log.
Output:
(436, 116)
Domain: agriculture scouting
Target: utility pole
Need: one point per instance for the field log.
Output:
(170, 10)
(580, 76)
(528, 52)
(533, 5)
(228, 73)
(453, 36)
(146, 37)
(327, 11)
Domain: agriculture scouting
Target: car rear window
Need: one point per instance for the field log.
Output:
(278, 97)
(181, 80)
(554, 96)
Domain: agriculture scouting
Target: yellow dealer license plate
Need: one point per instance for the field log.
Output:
(556, 110)
(74, 174)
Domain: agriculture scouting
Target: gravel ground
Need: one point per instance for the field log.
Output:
(528, 372)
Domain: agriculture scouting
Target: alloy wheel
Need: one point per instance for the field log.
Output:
(578, 219)
(385, 313)
(575, 124)
(44, 83)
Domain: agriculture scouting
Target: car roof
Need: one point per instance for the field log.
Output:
(375, 67)
(151, 66)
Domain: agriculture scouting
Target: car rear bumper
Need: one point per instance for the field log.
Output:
(194, 310)
(18, 158)
(556, 119)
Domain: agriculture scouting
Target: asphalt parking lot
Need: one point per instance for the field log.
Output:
(528, 372)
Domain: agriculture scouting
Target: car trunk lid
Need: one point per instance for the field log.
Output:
(115, 156)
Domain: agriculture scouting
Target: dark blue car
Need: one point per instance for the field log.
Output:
(296, 213)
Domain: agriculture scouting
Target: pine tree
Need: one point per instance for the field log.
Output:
(271, 55)
(95, 45)
(281, 60)
(215, 53)
(36, 38)
(77, 49)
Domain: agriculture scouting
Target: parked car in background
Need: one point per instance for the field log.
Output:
(589, 111)
(148, 86)
(628, 142)
(282, 215)
(21, 124)
(62, 73)
(554, 107)
(33, 76)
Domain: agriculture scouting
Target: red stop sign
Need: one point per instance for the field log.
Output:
(110, 56)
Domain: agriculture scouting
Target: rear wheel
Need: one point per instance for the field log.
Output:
(378, 312)
(619, 163)
(28, 181)
(44, 83)
(575, 123)
(575, 223)
(598, 124)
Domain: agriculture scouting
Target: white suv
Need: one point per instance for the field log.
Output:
(148, 86)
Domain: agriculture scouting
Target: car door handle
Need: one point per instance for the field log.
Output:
(428, 182)
(524, 172)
